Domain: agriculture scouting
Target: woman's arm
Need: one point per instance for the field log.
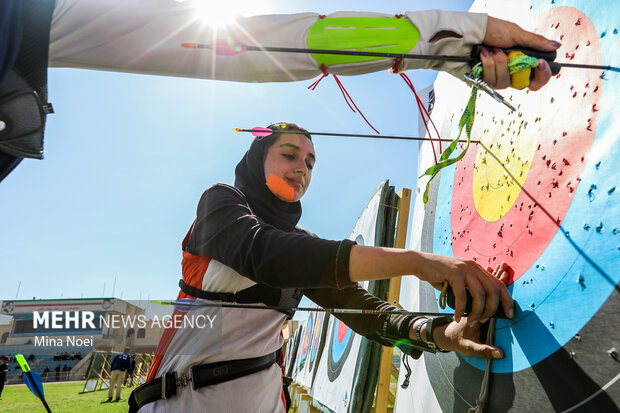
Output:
(387, 329)
(372, 326)
(373, 263)
(226, 230)
(145, 37)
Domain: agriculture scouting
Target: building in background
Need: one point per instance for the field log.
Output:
(63, 353)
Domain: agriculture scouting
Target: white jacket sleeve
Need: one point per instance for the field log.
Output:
(145, 37)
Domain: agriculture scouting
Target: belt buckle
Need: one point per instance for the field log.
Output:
(177, 381)
(164, 383)
(183, 380)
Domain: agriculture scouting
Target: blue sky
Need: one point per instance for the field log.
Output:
(127, 157)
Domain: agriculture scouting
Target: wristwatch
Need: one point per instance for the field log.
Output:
(431, 323)
(418, 330)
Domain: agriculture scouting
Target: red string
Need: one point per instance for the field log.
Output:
(316, 82)
(347, 98)
(428, 115)
(421, 107)
(424, 114)
(345, 94)
(396, 66)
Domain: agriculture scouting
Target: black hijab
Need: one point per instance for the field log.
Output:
(250, 179)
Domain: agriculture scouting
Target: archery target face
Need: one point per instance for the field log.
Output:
(338, 363)
(559, 232)
(309, 348)
(492, 217)
(341, 340)
(302, 352)
(339, 349)
(316, 338)
(546, 146)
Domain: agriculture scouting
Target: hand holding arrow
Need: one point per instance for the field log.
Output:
(223, 47)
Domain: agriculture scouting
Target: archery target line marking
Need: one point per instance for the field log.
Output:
(599, 391)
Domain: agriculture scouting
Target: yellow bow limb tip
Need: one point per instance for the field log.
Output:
(520, 79)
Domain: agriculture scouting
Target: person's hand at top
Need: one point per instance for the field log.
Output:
(487, 288)
(504, 34)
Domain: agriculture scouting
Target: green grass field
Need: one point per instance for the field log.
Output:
(61, 397)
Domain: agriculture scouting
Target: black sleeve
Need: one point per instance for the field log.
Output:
(385, 329)
(227, 231)
(129, 365)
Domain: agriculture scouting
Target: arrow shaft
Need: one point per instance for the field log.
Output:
(348, 53)
(47, 407)
(386, 55)
(359, 311)
(582, 66)
(356, 135)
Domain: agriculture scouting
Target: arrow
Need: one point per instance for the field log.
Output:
(548, 56)
(223, 47)
(32, 380)
(261, 132)
(188, 304)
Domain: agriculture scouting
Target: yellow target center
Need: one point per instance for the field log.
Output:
(510, 141)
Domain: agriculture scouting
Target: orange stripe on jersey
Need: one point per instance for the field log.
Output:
(194, 268)
(165, 340)
(283, 398)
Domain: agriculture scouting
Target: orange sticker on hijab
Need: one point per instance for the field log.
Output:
(280, 188)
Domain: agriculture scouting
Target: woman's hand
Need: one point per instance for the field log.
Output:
(487, 288)
(504, 34)
(374, 263)
(462, 337)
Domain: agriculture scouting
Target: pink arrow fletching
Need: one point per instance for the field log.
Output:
(258, 131)
(223, 47)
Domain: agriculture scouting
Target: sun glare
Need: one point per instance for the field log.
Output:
(218, 13)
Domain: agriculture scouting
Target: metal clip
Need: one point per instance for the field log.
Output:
(163, 385)
(483, 86)
(183, 381)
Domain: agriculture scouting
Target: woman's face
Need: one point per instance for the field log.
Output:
(291, 158)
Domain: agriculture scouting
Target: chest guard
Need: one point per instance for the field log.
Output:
(285, 298)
